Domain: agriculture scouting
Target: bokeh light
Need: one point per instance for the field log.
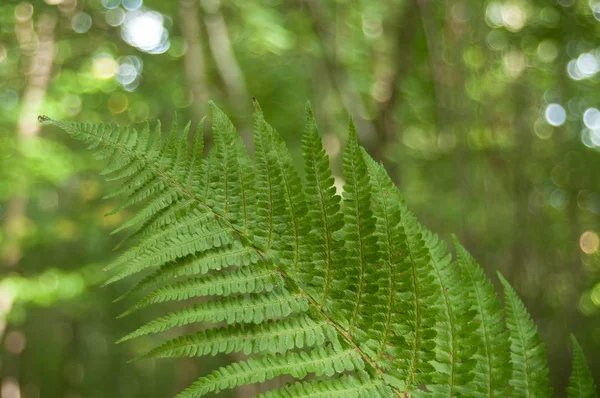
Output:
(555, 115)
(115, 16)
(81, 22)
(145, 31)
(589, 242)
(105, 66)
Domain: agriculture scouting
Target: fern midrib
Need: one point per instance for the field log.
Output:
(164, 174)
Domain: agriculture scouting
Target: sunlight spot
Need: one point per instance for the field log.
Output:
(10, 388)
(15, 342)
(131, 5)
(118, 103)
(542, 130)
(547, 50)
(591, 118)
(104, 66)
(23, 12)
(595, 295)
(591, 138)
(110, 4)
(145, 30)
(115, 16)
(81, 22)
(514, 62)
(129, 71)
(587, 64)
(589, 242)
(555, 115)
(573, 71)
(513, 17)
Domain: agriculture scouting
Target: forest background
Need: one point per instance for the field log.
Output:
(485, 113)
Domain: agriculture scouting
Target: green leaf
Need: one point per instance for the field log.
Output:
(581, 382)
(528, 355)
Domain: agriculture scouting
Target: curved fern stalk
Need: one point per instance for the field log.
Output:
(581, 382)
(493, 369)
(528, 355)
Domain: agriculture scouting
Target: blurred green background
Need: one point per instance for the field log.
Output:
(486, 113)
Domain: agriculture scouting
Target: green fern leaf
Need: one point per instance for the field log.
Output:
(581, 383)
(493, 369)
(323, 215)
(252, 309)
(345, 386)
(362, 257)
(320, 362)
(528, 355)
(269, 337)
(409, 338)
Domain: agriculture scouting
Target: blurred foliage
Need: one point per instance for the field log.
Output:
(486, 114)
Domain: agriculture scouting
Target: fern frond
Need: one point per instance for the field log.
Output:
(528, 355)
(356, 293)
(581, 382)
(493, 368)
